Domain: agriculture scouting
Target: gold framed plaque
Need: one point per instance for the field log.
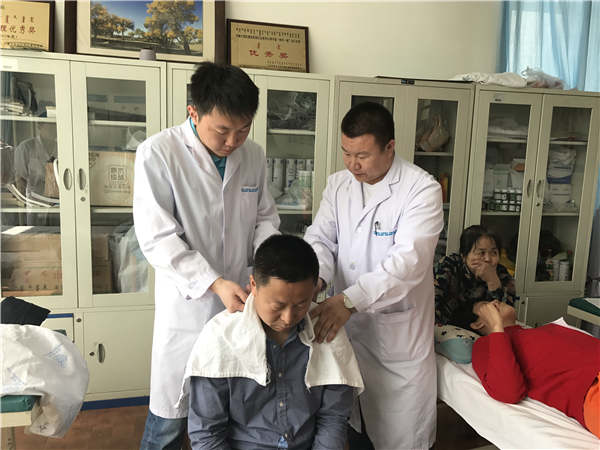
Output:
(27, 25)
(260, 45)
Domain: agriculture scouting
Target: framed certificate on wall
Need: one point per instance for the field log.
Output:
(260, 45)
(27, 25)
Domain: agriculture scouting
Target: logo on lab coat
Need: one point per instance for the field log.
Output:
(384, 233)
(377, 231)
(250, 189)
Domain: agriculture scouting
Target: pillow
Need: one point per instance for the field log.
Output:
(454, 343)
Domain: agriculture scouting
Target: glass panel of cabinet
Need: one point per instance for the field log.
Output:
(36, 249)
(67, 180)
(120, 109)
(435, 137)
(533, 170)
(432, 126)
(293, 131)
(566, 174)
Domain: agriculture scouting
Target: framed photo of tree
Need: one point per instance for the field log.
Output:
(178, 30)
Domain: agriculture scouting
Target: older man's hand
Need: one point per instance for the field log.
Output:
(332, 315)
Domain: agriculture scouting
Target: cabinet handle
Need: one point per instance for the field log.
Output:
(67, 179)
(528, 190)
(537, 189)
(101, 353)
(82, 183)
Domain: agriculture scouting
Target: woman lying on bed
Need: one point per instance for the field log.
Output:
(553, 364)
(474, 275)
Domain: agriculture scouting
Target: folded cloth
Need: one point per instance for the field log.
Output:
(39, 361)
(17, 311)
(234, 345)
(503, 79)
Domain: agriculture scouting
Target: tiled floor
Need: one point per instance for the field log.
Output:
(122, 429)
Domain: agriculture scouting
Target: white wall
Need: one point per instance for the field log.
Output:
(418, 39)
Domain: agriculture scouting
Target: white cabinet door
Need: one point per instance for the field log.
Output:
(436, 138)
(116, 108)
(117, 349)
(500, 192)
(179, 77)
(38, 252)
(540, 310)
(565, 184)
(291, 124)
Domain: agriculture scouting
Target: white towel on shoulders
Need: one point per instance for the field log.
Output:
(234, 345)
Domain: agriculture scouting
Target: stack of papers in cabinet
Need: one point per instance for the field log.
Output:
(11, 106)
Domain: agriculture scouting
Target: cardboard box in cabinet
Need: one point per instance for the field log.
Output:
(42, 240)
(102, 278)
(45, 279)
(31, 263)
(100, 250)
(37, 245)
(48, 280)
(111, 178)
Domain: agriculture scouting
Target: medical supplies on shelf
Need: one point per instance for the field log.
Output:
(290, 182)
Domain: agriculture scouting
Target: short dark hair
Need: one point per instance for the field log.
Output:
(369, 118)
(471, 235)
(225, 87)
(286, 257)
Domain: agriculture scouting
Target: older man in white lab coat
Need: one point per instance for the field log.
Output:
(201, 208)
(375, 236)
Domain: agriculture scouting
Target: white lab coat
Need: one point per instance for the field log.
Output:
(381, 256)
(194, 227)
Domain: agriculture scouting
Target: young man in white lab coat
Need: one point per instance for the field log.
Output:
(375, 234)
(201, 208)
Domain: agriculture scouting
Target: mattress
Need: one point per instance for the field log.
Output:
(527, 425)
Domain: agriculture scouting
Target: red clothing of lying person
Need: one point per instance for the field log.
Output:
(552, 364)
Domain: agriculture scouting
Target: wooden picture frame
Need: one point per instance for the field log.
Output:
(27, 25)
(135, 35)
(261, 45)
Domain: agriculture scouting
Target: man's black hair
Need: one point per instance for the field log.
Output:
(471, 235)
(224, 87)
(369, 118)
(286, 257)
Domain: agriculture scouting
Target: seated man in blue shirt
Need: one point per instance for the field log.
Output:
(257, 379)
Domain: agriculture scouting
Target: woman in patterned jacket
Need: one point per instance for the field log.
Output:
(474, 275)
